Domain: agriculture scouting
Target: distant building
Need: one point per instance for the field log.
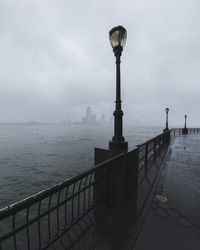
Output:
(89, 118)
(88, 112)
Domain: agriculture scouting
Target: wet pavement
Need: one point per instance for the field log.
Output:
(167, 213)
(175, 223)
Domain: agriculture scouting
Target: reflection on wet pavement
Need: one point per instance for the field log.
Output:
(176, 223)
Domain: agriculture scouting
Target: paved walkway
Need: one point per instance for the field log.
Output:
(175, 224)
(172, 223)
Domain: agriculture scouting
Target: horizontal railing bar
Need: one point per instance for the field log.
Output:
(18, 206)
(160, 135)
(152, 139)
(4, 237)
(48, 211)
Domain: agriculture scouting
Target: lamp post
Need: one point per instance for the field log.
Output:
(185, 120)
(166, 128)
(118, 144)
(185, 130)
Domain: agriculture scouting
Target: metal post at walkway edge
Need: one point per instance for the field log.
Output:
(166, 127)
(185, 130)
(118, 144)
(124, 173)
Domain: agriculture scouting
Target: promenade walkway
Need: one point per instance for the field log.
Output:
(175, 223)
(170, 218)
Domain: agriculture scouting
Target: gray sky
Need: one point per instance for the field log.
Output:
(56, 59)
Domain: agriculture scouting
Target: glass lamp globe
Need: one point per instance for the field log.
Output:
(117, 37)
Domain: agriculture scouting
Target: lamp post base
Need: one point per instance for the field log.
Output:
(165, 130)
(118, 147)
(184, 131)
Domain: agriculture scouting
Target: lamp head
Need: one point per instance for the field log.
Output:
(117, 37)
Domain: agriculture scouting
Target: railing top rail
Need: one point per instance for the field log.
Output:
(19, 205)
(152, 139)
(182, 128)
(30, 200)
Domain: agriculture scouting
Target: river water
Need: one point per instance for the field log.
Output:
(34, 157)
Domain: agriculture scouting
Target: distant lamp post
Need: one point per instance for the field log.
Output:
(118, 144)
(185, 130)
(185, 121)
(166, 128)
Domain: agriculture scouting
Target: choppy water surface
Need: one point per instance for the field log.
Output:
(34, 157)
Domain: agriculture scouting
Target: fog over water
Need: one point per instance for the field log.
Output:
(55, 59)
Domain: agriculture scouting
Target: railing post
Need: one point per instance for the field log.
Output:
(154, 149)
(163, 140)
(146, 159)
(168, 137)
(132, 173)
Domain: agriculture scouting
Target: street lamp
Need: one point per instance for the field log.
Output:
(118, 144)
(185, 130)
(166, 128)
(185, 120)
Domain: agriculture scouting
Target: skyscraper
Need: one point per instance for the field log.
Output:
(89, 118)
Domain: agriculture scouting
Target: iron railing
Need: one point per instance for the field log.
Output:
(44, 217)
(179, 131)
(149, 150)
(39, 220)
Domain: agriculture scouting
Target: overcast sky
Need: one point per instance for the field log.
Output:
(56, 59)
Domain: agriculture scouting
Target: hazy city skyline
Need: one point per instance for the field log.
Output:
(56, 59)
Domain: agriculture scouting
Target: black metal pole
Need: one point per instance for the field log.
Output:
(166, 126)
(118, 113)
(185, 130)
(185, 120)
(118, 143)
(166, 120)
